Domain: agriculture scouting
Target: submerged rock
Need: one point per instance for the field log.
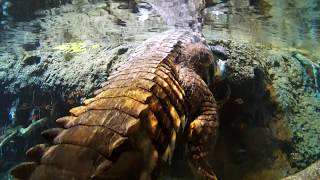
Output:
(79, 44)
(311, 173)
(30, 60)
(254, 136)
(271, 120)
(297, 97)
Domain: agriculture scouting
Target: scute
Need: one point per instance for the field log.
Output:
(116, 120)
(46, 172)
(103, 140)
(60, 156)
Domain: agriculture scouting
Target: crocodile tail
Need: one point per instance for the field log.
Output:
(124, 132)
(98, 141)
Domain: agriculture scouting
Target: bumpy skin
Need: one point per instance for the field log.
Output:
(130, 127)
(202, 110)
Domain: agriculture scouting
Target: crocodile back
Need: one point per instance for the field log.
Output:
(127, 129)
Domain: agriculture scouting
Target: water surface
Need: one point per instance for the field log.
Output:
(286, 25)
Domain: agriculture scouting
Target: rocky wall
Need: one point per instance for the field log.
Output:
(270, 120)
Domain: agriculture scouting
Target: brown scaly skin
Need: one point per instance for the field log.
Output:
(130, 127)
(192, 65)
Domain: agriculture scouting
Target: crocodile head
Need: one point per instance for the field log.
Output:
(199, 57)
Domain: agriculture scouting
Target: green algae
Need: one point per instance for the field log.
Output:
(69, 50)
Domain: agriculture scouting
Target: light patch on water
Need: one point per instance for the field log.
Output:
(143, 14)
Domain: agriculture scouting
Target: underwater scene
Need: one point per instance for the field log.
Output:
(160, 89)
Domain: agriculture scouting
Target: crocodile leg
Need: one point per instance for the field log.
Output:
(202, 130)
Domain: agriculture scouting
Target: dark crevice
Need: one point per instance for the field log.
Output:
(246, 142)
(33, 105)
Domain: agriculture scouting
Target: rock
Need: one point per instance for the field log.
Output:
(144, 5)
(122, 51)
(31, 46)
(212, 2)
(277, 116)
(70, 45)
(2, 75)
(254, 135)
(296, 95)
(219, 51)
(30, 60)
(241, 64)
(74, 39)
(311, 173)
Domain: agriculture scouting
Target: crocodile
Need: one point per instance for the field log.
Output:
(130, 128)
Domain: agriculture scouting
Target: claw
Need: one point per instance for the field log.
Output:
(35, 153)
(201, 167)
(64, 121)
(101, 169)
(50, 134)
(207, 175)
